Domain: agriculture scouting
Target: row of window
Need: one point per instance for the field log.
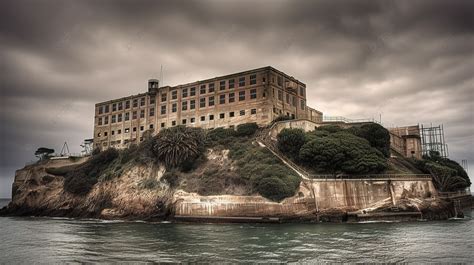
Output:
(192, 120)
(126, 116)
(126, 105)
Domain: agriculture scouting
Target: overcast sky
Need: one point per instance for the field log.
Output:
(410, 61)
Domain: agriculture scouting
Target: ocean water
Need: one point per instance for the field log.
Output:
(53, 240)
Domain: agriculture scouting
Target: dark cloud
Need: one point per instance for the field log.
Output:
(410, 61)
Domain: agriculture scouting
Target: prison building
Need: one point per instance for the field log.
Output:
(258, 95)
(406, 141)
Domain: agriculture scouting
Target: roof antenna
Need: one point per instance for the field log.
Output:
(161, 75)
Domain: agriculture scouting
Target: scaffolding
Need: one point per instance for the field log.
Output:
(432, 139)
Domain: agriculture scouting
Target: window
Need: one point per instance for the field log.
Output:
(253, 79)
(288, 98)
(163, 97)
(203, 118)
(242, 112)
(106, 120)
(113, 132)
(211, 117)
(222, 85)
(241, 95)
(302, 91)
(253, 93)
(142, 128)
(241, 81)
(152, 100)
(231, 83)
(106, 109)
(183, 121)
(162, 125)
(114, 107)
(192, 104)
(101, 109)
(127, 130)
(202, 90)
(231, 97)
(280, 95)
(135, 103)
(221, 116)
(173, 123)
(294, 101)
(174, 94)
(211, 101)
(185, 92)
(119, 131)
(253, 111)
(192, 91)
(120, 106)
(119, 117)
(231, 114)
(163, 110)
(211, 88)
(142, 113)
(202, 102)
(127, 116)
(279, 80)
(151, 126)
(222, 99)
(184, 105)
(114, 118)
(100, 121)
(142, 102)
(127, 104)
(193, 120)
(105, 133)
(174, 107)
(152, 112)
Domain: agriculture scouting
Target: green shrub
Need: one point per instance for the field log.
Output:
(289, 141)
(274, 188)
(172, 178)
(246, 129)
(149, 183)
(376, 134)
(330, 128)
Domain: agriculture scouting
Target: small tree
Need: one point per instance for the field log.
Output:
(44, 153)
(376, 134)
(246, 129)
(290, 142)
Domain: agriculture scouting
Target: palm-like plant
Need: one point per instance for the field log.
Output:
(449, 182)
(178, 144)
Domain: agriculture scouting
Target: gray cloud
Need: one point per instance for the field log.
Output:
(409, 61)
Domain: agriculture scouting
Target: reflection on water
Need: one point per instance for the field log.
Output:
(68, 240)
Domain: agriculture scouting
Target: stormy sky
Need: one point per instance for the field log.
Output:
(408, 61)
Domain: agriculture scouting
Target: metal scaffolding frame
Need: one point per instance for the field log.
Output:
(432, 139)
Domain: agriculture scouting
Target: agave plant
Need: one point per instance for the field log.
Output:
(178, 144)
(448, 182)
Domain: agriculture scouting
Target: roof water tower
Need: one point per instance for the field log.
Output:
(153, 85)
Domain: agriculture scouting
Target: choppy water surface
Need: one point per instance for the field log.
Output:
(47, 240)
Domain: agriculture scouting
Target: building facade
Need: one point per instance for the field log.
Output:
(258, 95)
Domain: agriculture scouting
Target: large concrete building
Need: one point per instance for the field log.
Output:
(258, 95)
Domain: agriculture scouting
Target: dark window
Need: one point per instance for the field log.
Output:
(280, 95)
(142, 128)
(193, 120)
(192, 91)
(163, 110)
(134, 129)
(241, 81)
(202, 90)
(184, 105)
(152, 112)
(114, 107)
(301, 91)
(105, 133)
(114, 118)
(253, 111)
(174, 107)
(192, 104)
(185, 92)
(163, 97)
(100, 121)
(152, 100)
(288, 98)
(231, 83)
(253, 93)
(279, 80)
(162, 125)
(222, 99)
(294, 102)
(173, 123)
(174, 94)
(222, 85)
(106, 120)
(119, 117)
(231, 97)
(231, 114)
(142, 113)
(151, 126)
(113, 132)
(221, 116)
(211, 88)
(142, 102)
(241, 95)
(211, 101)
(242, 112)
(127, 104)
(202, 102)
(183, 121)
(120, 106)
(127, 116)
(211, 117)
(119, 131)
(203, 118)
(101, 109)
(253, 79)
(106, 109)
(135, 103)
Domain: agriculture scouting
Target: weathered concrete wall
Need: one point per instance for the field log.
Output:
(305, 125)
(330, 194)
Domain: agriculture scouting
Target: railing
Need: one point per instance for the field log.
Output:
(454, 193)
(371, 176)
(346, 120)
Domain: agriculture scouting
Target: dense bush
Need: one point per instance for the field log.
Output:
(289, 141)
(220, 136)
(376, 134)
(282, 118)
(178, 145)
(342, 152)
(246, 129)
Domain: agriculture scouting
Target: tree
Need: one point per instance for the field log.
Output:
(376, 134)
(342, 153)
(43, 153)
(246, 129)
(290, 141)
